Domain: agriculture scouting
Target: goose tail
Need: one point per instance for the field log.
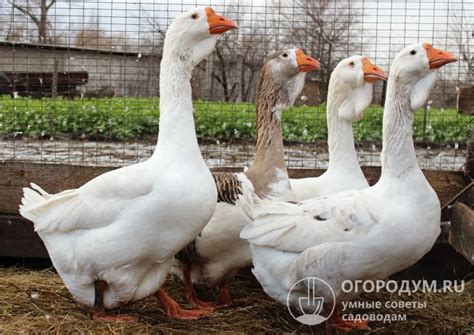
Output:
(33, 197)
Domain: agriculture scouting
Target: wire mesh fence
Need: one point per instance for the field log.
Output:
(79, 79)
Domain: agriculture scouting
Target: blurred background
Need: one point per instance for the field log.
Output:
(79, 80)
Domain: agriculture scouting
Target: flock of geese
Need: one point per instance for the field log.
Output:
(115, 239)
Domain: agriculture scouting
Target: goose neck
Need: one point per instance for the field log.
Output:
(341, 146)
(269, 135)
(398, 151)
(269, 166)
(177, 134)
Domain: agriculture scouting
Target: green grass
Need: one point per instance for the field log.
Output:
(127, 118)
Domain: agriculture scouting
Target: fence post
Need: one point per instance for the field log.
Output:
(54, 88)
(470, 156)
(240, 69)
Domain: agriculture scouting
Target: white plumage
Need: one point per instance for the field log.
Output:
(125, 226)
(220, 251)
(355, 235)
(349, 94)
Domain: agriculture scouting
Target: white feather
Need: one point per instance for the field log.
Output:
(355, 235)
(348, 96)
(125, 226)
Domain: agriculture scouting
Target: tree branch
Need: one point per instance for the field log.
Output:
(154, 23)
(50, 4)
(26, 11)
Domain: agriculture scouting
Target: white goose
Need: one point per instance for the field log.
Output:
(349, 94)
(218, 252)
(113, 240)
(356, 235)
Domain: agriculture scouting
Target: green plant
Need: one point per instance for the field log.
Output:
(126, 118)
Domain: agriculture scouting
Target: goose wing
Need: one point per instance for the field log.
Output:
(294, 227)
(228, 187)
(96, 204)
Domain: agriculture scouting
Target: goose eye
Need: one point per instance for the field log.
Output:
(351, 64)
(194, 16)
(413, 52)
(285, 55)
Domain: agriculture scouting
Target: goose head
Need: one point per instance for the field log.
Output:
(286, 70)
(193, 35)
(351, 84)
(414, 69)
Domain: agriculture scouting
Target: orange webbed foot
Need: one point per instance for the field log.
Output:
(347, 326)
(174, 310)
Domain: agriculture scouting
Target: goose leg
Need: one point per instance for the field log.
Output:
(224, 295)
(347, 326)
(190, 293)
(174, 310)
(99, 313)
(225, 298)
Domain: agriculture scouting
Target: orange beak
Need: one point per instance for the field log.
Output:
(306, 63)
(218, 24)
(372, 72)
(438, 57)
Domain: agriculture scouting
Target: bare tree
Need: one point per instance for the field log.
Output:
(5, 24)
(37, 11)
(239, 57)
(462, 36)
(93, 36)
(16, 32)
(234, 66)
(327, 29)
(12, 28)
(156, 32)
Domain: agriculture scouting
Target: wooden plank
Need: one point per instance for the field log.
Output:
(461, 236)
(55, 178)
(445, 183)
(18, 239)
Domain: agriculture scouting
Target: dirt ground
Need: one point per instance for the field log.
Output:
(102, 153)
(33, 301)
